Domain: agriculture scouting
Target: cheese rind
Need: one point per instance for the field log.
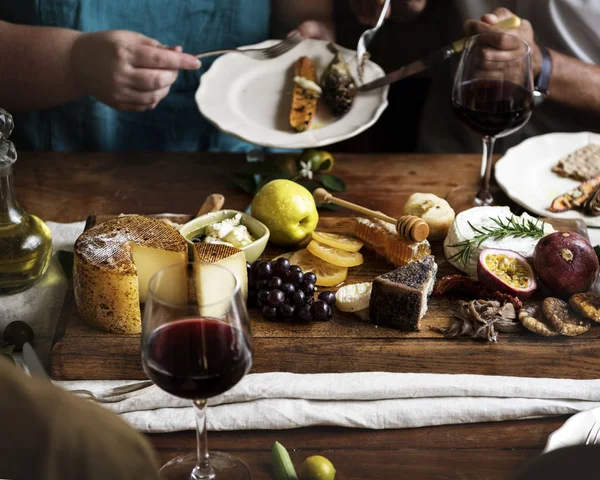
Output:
(108, 257)
(481, 217)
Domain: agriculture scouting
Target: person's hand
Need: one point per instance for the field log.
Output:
(126, 70)
(525, 32)
(315, 29)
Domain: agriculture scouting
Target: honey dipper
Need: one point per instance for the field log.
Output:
(409, 227)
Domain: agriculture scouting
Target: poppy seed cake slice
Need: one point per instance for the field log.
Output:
(399, 298)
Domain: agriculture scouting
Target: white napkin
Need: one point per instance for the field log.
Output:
(41, 304)
(374, 400)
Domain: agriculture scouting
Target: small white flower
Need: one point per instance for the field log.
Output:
(305, 170)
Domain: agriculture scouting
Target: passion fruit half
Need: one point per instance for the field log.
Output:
(506, 271)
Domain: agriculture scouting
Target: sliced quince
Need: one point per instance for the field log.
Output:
(335, 256)
(343, 242)
(328, 275)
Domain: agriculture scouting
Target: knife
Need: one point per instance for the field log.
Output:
(32, 362)
(432, 59)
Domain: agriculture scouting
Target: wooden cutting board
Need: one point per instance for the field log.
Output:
(346, 344)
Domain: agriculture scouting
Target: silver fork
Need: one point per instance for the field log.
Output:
(116, 394)
(594, 433)
(365, 40)
(267, 53)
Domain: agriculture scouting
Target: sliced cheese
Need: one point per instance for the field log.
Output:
(482, 217)
(113, 264)
(214, 286)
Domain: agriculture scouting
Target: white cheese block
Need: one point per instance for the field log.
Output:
(480, 217)
(113, 264)
(215, 286)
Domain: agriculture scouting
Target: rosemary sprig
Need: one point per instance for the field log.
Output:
(509, 228)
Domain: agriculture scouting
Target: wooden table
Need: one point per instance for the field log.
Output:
(68, 187)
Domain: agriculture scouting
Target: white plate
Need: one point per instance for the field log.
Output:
(574, 431)
(525, 172)
(251, 99)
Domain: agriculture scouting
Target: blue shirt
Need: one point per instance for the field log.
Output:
(175, 124)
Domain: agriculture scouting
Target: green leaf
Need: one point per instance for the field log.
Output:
(245, 181)
(329, 206)
(8, 349)
(332, 182)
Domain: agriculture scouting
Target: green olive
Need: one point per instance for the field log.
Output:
(17, 333)
(316, 468)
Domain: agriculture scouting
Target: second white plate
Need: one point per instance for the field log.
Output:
(525, 172)
(251, 99)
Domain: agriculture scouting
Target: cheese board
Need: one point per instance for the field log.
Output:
(82, 352)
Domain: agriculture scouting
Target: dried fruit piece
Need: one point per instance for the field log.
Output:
(586, 305)
(335, 256)
(328, 275)
(343, 242)
(562, 319)
(575, 198)
(532, 318)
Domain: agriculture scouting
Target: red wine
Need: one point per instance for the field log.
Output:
(196, 358)
(494, 108)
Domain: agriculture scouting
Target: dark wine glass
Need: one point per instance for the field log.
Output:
(492, 96)
(196, 344)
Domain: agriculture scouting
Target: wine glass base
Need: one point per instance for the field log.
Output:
(464, 197)
(225, 467)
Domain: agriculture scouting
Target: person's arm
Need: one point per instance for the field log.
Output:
(573, 83)
(313, 18)
(47, 66)
(367, 11)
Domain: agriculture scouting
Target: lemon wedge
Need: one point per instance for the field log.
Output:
(343, 242)
(335, 256)
(328, 275)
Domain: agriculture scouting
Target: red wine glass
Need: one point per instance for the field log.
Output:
(492, 96)
(196, 344)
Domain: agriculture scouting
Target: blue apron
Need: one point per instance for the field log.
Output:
(175, 124)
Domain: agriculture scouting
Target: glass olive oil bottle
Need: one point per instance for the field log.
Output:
(25, 241)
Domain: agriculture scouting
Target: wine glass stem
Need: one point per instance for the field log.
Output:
(484, 197)
(202, 470)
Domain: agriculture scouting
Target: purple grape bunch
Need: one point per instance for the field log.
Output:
(282, 292)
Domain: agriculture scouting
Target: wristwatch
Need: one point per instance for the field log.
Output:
(542, 80)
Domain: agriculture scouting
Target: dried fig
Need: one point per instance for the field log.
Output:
(562, 319)
(532, 318)
(587, 305)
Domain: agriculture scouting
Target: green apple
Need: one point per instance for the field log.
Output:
(287, 209)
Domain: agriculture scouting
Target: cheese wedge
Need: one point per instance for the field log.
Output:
(214, 286)
(113, 264)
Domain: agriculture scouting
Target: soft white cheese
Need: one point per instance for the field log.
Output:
(479, 217)
(229, 232)
(307, 84)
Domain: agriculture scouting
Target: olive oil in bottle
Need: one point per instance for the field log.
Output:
(25, 241)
